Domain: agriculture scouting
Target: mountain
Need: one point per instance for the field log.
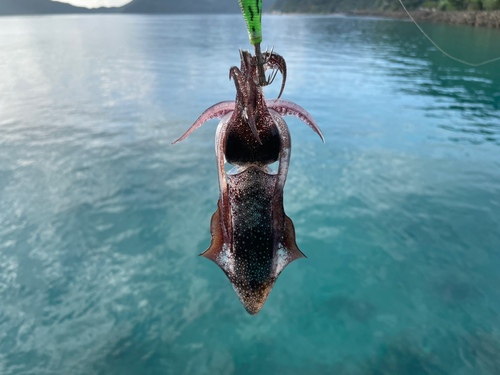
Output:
(14, 7)
(186, 6)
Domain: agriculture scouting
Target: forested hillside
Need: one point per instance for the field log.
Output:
(331, 6)
(440, 4)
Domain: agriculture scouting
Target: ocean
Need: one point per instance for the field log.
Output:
(102, 220)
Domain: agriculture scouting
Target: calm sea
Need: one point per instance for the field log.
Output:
(101, 220)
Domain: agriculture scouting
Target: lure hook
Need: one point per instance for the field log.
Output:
(263, 81)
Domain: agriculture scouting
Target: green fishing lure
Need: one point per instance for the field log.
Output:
(252, 12)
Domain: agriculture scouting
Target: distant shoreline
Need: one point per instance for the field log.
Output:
(489, 19)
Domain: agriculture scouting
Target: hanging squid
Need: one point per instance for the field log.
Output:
(252, 238)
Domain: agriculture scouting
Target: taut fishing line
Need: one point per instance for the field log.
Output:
(440, 49)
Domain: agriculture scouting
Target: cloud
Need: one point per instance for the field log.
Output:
(95, 3)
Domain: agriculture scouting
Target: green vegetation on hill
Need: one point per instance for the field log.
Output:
(331, 6)
(440, 4)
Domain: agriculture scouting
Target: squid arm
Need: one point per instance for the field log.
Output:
(288, 108)
(246, 100)
(218, 111)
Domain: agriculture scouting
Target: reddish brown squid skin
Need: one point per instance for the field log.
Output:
(252, 238)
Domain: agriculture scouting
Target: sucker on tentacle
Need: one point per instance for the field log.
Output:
(252, 238)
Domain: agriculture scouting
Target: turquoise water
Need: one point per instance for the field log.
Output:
(101, 220)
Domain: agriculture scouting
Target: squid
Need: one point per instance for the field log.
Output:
(252, 238)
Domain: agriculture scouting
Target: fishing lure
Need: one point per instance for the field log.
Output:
(252, 238)
(252, 14)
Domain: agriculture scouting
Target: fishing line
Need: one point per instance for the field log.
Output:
(440, 49)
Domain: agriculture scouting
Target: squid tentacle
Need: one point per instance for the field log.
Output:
(288, 108)
(218, 111)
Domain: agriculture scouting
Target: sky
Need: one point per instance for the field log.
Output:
(95, 3)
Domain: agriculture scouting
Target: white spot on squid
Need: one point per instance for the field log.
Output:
(282, 259)
(226, 260)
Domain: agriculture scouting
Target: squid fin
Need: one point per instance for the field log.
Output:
(289, 241)
(291, 251)
(217, 244)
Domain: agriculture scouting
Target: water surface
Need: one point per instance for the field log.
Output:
(101, 220)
